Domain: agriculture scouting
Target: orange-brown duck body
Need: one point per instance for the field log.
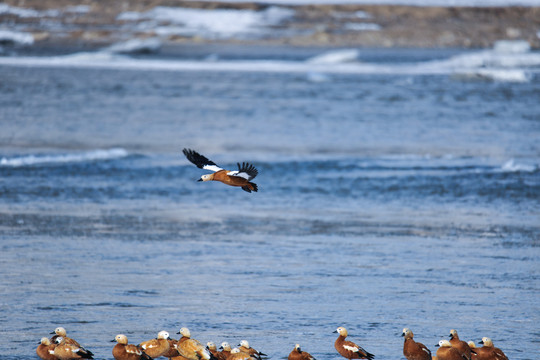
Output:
(460, 345)
(66, 351)
(60, 332)
(214, 351)
(191, 349)
(45, 349)
(348, 349)
(447, 352)
(298, 354)
(413, 350)
(488, 351)
(225, 350)
(245, 348)
(156, 347)
(236, 354)
(124, 351)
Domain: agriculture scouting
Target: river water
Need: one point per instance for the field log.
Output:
(395, 192)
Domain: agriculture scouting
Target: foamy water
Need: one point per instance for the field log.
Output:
(503, 64)
(40, 159)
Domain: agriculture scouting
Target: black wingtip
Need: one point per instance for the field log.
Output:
(196, 158)
(250, 187)
(248, 169)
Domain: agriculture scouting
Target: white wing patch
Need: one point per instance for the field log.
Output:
(351, 348)
(213, 168)
(238, 174)
(131, 351)
(426, 350)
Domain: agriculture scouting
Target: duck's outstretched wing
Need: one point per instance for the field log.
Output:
(200, 161)
(246, 171)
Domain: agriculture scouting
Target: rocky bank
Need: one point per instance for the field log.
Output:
(96, 23)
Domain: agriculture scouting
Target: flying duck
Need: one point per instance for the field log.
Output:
(240, 177)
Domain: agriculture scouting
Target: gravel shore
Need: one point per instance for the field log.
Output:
(96, 23)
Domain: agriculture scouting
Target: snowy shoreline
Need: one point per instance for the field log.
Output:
(58, 23)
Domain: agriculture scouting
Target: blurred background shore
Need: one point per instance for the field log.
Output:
(90, 24)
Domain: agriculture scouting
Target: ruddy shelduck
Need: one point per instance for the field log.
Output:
(447, 352)
(190, 348)
(298, 354)
(488, 351)
(348, 349)
(66, 351)
(45, 349)
(241, 177)
(225, 349)
(413, 350)
(60, 332)
(236, 354)
(460, 345)
(124, 351)
(472, 346)
(245, 348)
(61, 339)
(214, 351)
(172, 353)
(156, 347)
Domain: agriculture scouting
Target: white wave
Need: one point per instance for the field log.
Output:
(105, 60)
(488, 59)
(491, 65)
(512, 46)
(64, 158)
(512, 166)
(136, 46)
(335, 57)
(20, 38)
(217, 23)
(496, 75)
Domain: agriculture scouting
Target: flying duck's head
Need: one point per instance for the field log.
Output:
(206, 177)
